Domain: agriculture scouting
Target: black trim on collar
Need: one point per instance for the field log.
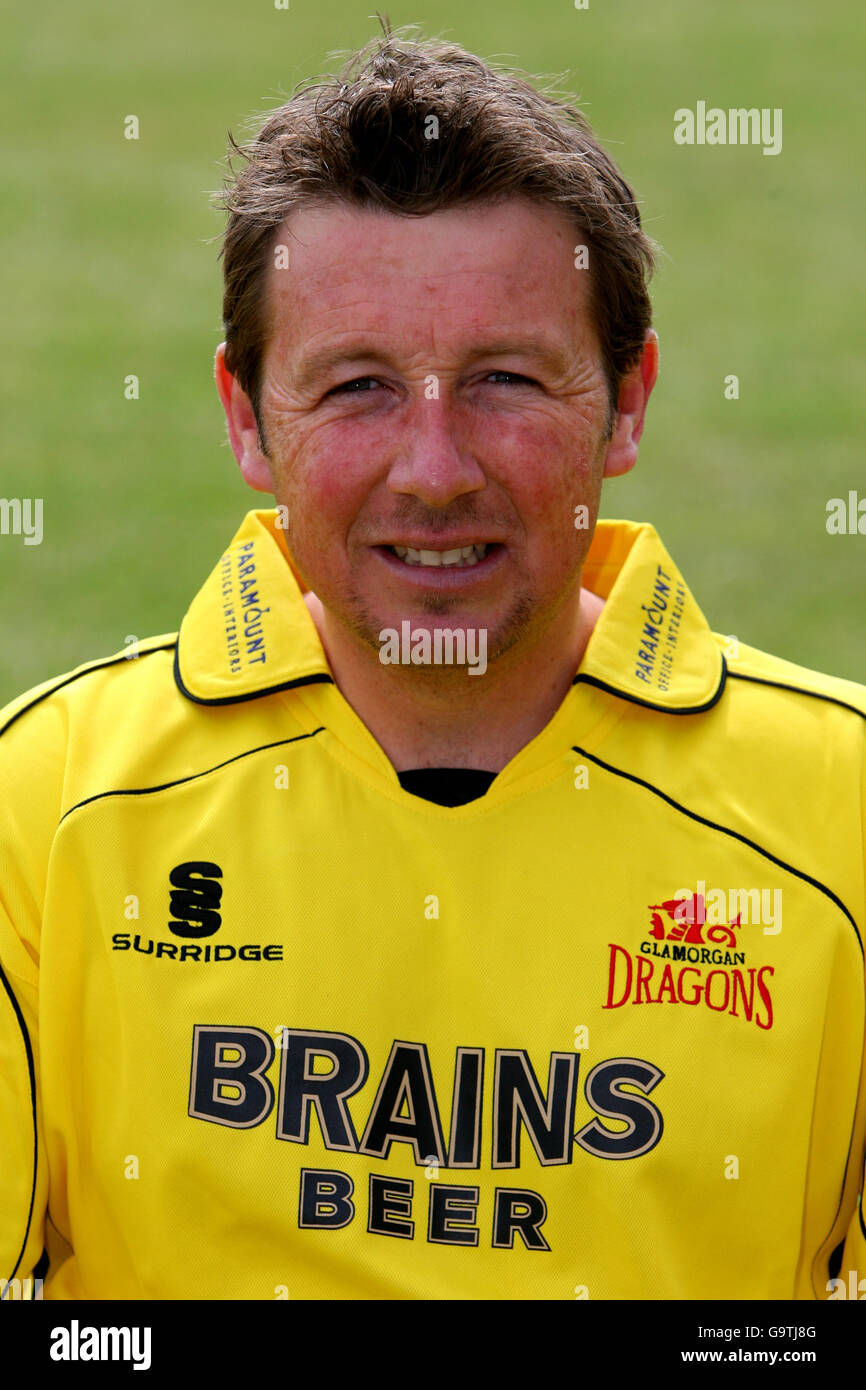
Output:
(318, 679)
(653, 704)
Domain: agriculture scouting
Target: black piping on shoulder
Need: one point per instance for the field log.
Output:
(193, 777)
(798, 690)
(653, 704)
(320, 679)
(725, 830)
(76, 675)
(32, 1075)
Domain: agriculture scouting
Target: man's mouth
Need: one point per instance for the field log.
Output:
(458, 558)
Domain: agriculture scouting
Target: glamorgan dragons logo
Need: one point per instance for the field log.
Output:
(689, 959)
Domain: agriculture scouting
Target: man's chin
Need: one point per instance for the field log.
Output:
(431, 639)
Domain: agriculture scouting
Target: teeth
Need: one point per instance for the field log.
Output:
(464, 556)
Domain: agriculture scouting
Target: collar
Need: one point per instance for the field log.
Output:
(248, 632)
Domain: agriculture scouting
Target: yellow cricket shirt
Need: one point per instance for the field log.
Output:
(271, 1026)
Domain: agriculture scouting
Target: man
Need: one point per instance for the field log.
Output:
(440, 913)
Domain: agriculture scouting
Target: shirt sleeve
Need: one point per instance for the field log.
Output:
(23, 1187)
(850, 1280)
(852, 1272)
(30, 774)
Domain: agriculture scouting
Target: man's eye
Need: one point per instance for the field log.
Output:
(511, 377)
(357, 385)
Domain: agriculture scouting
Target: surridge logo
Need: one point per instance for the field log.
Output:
(682, 949)
(196, 893)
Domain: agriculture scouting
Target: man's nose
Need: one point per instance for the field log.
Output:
(435, 462)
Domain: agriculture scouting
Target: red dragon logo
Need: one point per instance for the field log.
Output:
(689, 915)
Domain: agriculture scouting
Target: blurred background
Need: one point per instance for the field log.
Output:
(110, 268)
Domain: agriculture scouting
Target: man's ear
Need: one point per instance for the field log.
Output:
(242, 427)
(634, 393)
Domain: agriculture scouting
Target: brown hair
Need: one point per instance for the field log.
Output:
(364, 137)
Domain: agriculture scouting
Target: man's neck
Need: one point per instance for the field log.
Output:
(482, 722)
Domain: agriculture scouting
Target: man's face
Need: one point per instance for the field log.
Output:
(433, 383)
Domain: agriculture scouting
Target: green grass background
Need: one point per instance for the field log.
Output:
(109, 269)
